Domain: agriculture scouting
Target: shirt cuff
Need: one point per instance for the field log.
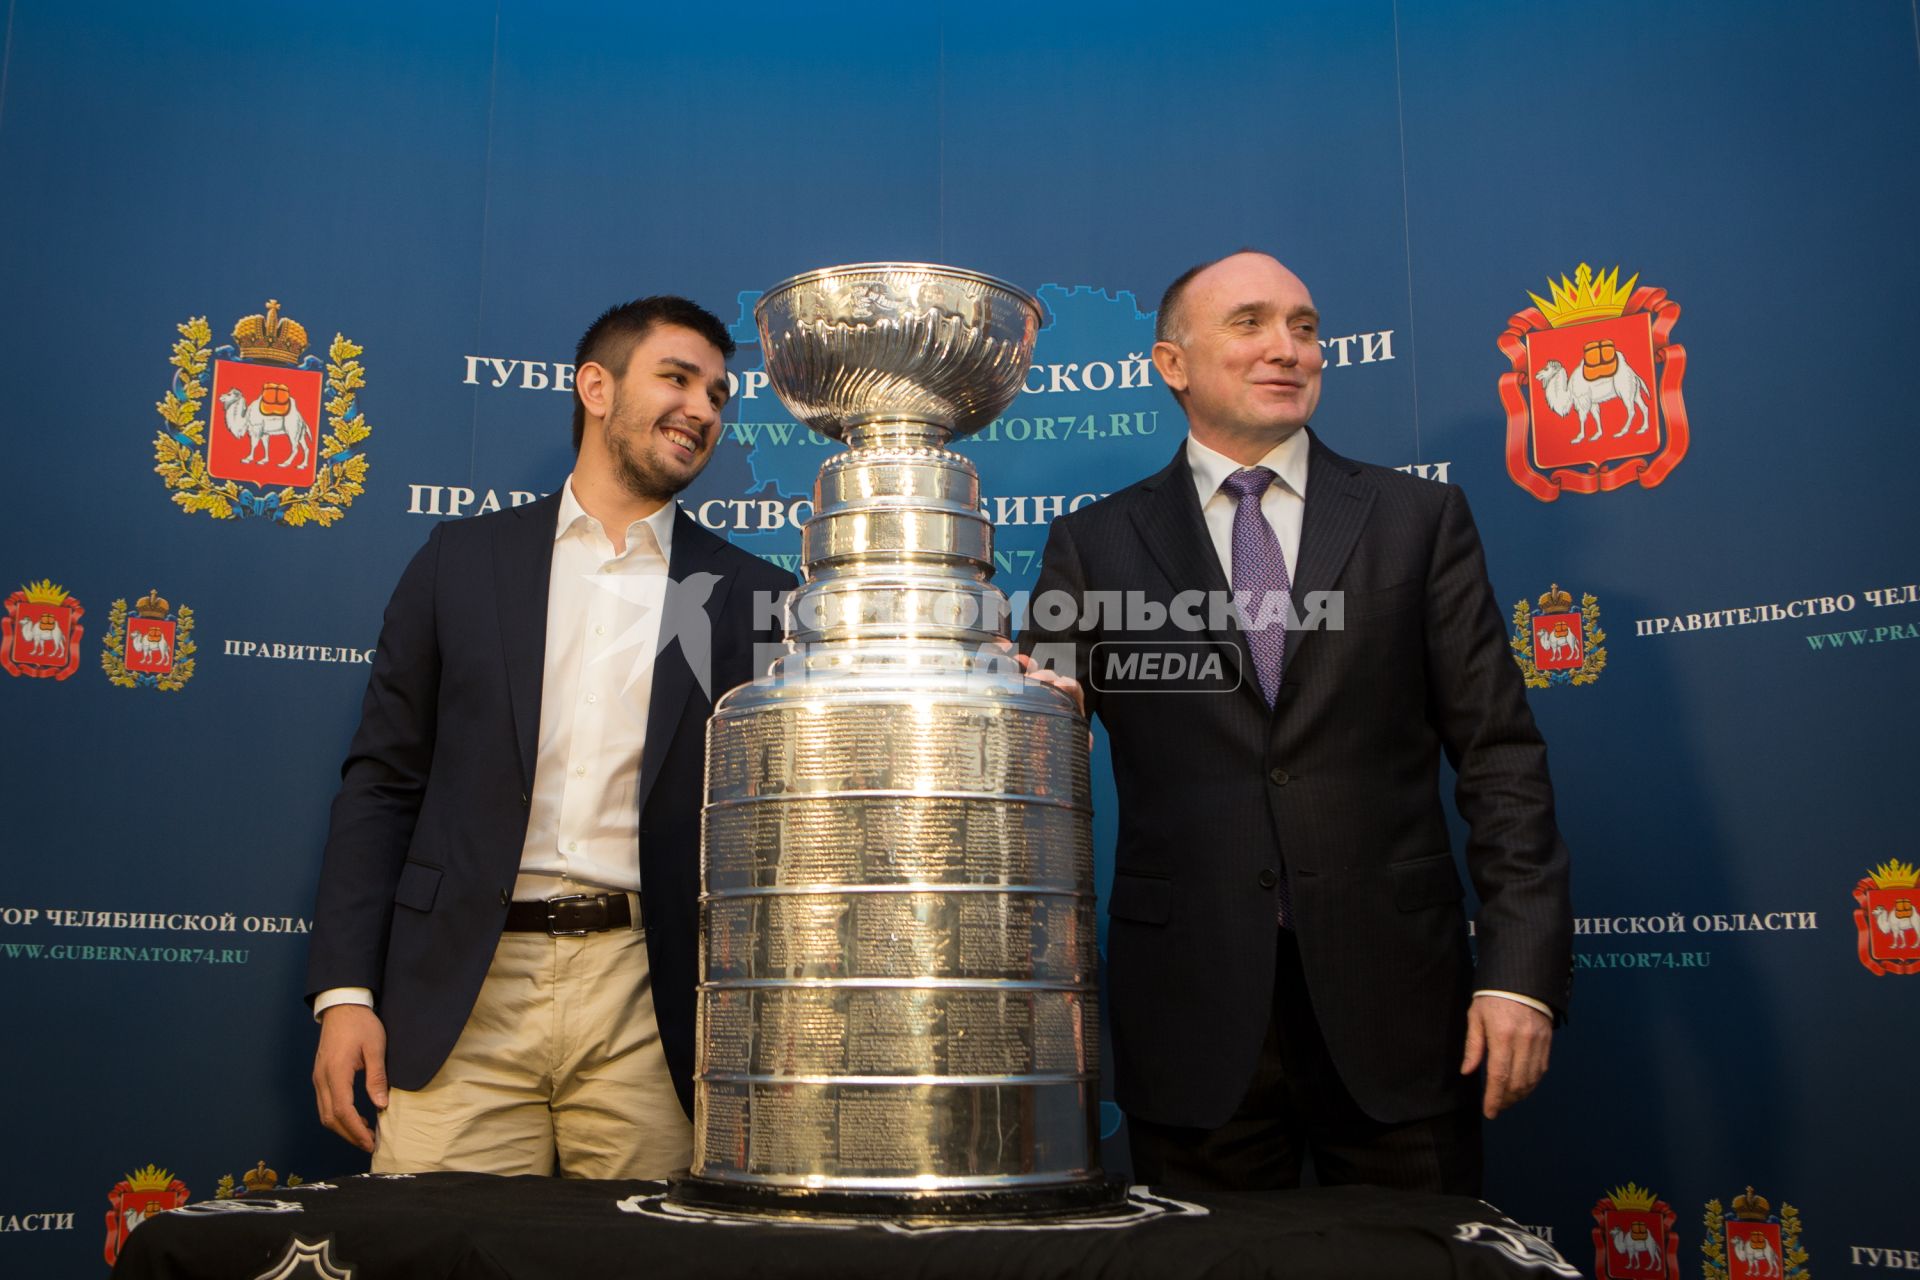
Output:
(341, 995)
(1514, 996)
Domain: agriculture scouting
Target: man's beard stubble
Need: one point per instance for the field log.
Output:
(636, 474)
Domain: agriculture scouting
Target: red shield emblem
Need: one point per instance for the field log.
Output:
(41, 632)
(265, 423)
(136, 1198)
(1558, 644)
(1635, 1246)
(150, 645)
(1888, 919)
(1593, 397)
(1754, 1250)
(1633, 1237)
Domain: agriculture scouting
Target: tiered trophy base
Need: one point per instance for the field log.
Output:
(1059, 1200)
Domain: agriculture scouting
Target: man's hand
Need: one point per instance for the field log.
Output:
(1514, 1041)
(1065, 684)
(352, 1039)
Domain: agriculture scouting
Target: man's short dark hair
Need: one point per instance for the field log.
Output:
(610, 340)
(1169, 325)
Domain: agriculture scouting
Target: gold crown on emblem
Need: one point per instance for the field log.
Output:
(1891, 874)
(44, 592)
(1585, 297)
(1632, 1196)
(1750, 1207)
(271, 337)
(151, 1178)
(1554, 600)
(260, 1178)
(152, 605)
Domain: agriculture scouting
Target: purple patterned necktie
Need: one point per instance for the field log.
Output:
(1259, 572)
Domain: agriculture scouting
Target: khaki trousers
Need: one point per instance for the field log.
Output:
(559, 1069)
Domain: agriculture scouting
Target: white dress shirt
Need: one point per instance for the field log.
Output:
(603, 626)
(1284, 504)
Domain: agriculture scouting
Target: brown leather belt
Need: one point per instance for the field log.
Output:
(572, 916)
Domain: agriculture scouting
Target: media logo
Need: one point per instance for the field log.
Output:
(1633, 1237)
(264, 454)
(137, 1197)
(40, 636)
(1889, 918)
(1593, 398)
(1755, 1244)
(1558, 644)
(151, 650)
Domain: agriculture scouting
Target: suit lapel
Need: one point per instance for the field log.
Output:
(1176, 537)
(523, 569)
(1338, 502)
(694, 551)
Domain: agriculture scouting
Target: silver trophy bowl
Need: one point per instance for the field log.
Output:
(898, 1008)
(849, 346)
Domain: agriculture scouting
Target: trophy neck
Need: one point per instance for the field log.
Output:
(897, 432)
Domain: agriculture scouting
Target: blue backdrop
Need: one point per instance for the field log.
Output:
(457, 189)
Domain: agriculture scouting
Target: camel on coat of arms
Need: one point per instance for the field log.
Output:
(248, 422)
(1583, 397)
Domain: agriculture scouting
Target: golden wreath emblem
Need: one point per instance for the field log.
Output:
(242, 420)
(1556, 644)
(151, 650)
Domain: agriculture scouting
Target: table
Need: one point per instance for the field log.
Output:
(466, 1226)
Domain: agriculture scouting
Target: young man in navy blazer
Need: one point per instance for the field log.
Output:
(1289, 971)
(506, 932)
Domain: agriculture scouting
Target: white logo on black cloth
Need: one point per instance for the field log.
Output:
(307, 1260)
(1140, 1206)
(213, 1208)
(1521, 1247)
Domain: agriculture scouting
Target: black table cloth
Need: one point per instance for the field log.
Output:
(461, 1226)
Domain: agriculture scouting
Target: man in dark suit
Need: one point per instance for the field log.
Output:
(1289, 970)
(506, 933)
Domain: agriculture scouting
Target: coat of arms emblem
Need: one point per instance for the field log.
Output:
(1888, 918)
(1754, 1244)
(1554, 643)
(137, 1197)
(1593, 398)
(257, 1181)
(40, 636)
(1633, 1237)
(150, 650)
(283, 437)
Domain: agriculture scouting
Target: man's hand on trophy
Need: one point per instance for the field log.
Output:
(1046, 675)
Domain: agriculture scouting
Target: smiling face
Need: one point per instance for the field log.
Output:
(663, 414)
(1244, 355)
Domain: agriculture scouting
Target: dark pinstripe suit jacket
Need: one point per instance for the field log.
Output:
(1336, 789)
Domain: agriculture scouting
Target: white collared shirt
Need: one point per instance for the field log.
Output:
(1283, 504)
(603, 628)
(603, 623)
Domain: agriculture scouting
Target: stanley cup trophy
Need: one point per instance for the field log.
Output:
(897, 1002)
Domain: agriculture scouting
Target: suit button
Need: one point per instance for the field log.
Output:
(1279, 777)
(524, 799)
(1267, 878)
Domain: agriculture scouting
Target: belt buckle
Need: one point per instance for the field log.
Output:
(553, 915)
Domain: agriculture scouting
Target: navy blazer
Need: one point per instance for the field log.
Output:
(1336, 788)
(431, 816)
